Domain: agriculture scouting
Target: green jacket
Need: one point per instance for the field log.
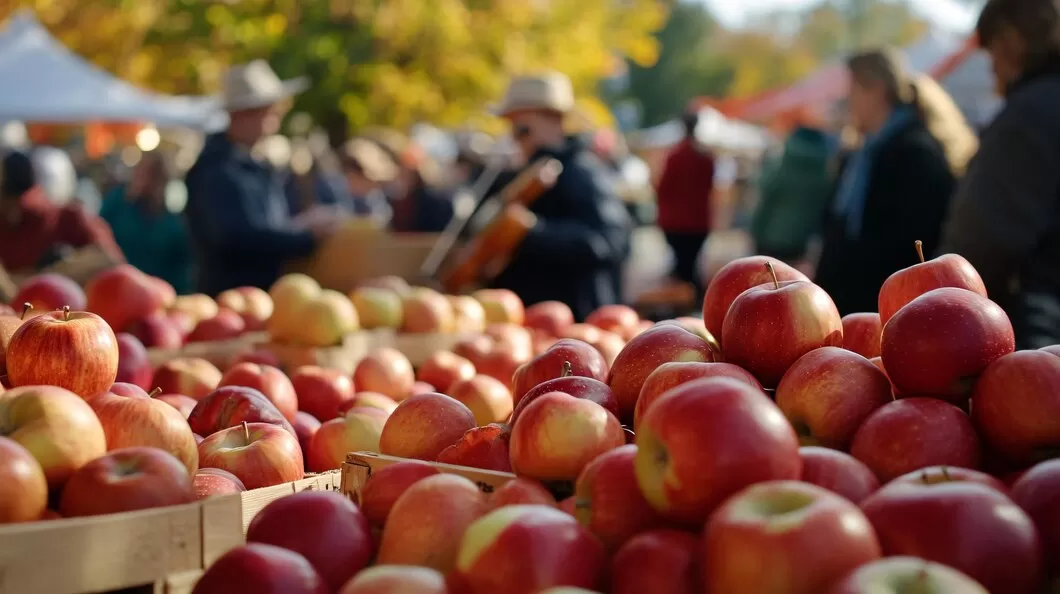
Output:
(794, 191)
(157, 245)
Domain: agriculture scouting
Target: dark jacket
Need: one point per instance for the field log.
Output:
(238, 219)
(909, 190)
(576, 252)
(1006, 216)
(684, 190)
(425, 210)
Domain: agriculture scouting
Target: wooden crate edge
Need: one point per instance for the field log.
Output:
(360, 465)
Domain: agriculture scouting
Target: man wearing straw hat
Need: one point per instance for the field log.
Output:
(237, 211)
(580, 236)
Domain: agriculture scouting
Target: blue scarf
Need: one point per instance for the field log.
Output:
(854, 184)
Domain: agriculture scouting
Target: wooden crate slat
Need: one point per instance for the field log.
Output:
(360, 465)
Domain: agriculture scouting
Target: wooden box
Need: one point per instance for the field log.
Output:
(220, 353)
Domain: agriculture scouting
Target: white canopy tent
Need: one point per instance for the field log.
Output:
(46, 82)
(714, 129)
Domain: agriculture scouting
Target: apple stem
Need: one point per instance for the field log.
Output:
(25, 309)
(773, 273)
(567, 369)
(945, 473)
(919, 245)
(246, 431)
(66, 313)
(155, 392)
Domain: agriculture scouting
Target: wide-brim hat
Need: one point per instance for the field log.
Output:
(255, 85)
(367, 156)
(550, 91)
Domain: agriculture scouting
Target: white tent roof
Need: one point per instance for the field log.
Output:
(714, 130)
(46, 82)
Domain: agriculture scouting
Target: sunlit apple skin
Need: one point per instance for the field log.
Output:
(8, 325)
(49, 291)
(620, 319)
(735, 278)
(124, 480)
(657, 561)
(69, 349)
(671, 375)
(424, 425)
(369, 400)
(488, 398)
(262, 569)
(229, 406)
(550, 318)
(468, 314)
(142, 421)
(501, 305)
(443, 369)
(862, 333)
(483, 447)
(1037, 492)
(123, 294)
(209, 482)
(260, 454)
(906, 575)
(377, 307)
(358, 430)
(948, 270)
(386, 485)
(579, 387)
(193, 377)
(807, 536)
(521, 491)
(396, 579)
(706, 440)
(23, 488)
(609, 502)
(838, 472)
(426, 311)
(270, 381)
(386, 371)
(566, 357)
(965, 525)
(182, 403)
(321, 392)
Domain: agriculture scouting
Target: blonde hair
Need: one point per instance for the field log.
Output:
(936, 108)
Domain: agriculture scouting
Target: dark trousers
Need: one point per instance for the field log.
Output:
(686, 247)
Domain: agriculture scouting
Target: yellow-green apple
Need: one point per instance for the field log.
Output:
(8, 325)
(252, 303)
(377, 308)
(671, 375)
(73, 350)
(1015, 406)
(428, 520)
(905, 285)
(838, 472)
(906, 575)
(305, 427)
(528, 548)
(385, 371)
(425, 311)
(443, 369)
(468, 314)
(558, 435)
(733, 279)
(521, 491)
(325, 320)
(828, 393)
(664, 343)
(324, 527)
(966, 525)
(608, 501)
(130, 418)
(125, 480)
(620, 319)
(229, 406)
(260, 454)
(50, 291)
(23, 488)
(944, 474)
(209, 482)
(707, 439)
(424, 425)
(770, 326)
(482, 447)
(226, 325)
(1037, 493)
(550, 318)
(564, 358)
(386, 485)
(191, 376)
(862, 333)
(577, 386)
(807, 536)
(396, 579)
(957, 331)
(270, 381)
(134, 367)
(161, 331)
(357, 431)
(501, 305)
(389, 282)
(198, 306)
(289, 295)
(123, 294)
(321, 392)
(657, 561)
(914, 433)
(57, 426)
(487, 398)
(370, 400)
(182, 403)
(262, 569)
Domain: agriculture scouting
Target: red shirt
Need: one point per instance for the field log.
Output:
(40, 225)
(683, 193)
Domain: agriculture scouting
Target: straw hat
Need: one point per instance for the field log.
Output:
(550, 91)
(371, 159)
(255, 85)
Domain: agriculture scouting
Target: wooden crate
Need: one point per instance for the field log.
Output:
(220, 352)
(360, 465)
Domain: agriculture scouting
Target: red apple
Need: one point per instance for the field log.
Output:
(838, 472)
(182, 403)
(165, 290)
(357, 431)
(23, 488)
(577, 386)
(396, 579)
(180, 321)
(475, 348)
(377, 308)
(948, 270)
(424, 425)
(550, 318)
(482, 447)
(260, 454)
(210, 482)
(528, 548)
(425, 311)
(707, 439)
(1053, 349)
(915, 433)
(965, 525)
(956, 331)
(610, 345)
(325, 528)
(8, 325)
(386, 371)
(305, 427)
(421, 388)
(123, 294)
(57, 427)
(736, 277)
(160, 331)
(582, 332)
(558, 435)
(770, 326)
(1037, 493)
(620, 319)
(134, 367)
(232, 405)
(370, 400)
(487, 398)
(197, 306)
(254, 305)
(806, 536)
(501, 362)
(671, 375)
(259, 356)
(73, 350)
(1016, 404)
(828, 393)
(270, 381)
(226, 325)
(564, 358)
(609, 502)
(260, 569)
(501, 305)
(657, 561)
(862, 333)
(664, 343)
(137, 420)
(49, 292)
(191, 376)
(386, 485)
(906, 575)
(443, 369)
(521, 491)
(124, 480)
(944, 474)
(321, 392)
(512, 337)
